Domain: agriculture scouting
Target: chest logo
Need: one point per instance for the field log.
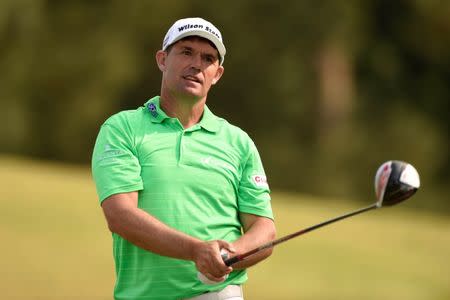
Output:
(212, 162)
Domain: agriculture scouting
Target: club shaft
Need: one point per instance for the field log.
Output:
(273, 243)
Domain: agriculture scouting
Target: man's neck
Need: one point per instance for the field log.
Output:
(188, 111)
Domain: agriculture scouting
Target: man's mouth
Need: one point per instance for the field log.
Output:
(192, 78)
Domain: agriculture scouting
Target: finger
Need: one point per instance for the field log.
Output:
(225, 245)
(213, 268)
(219, 269)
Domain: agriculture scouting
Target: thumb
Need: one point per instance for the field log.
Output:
(225, 245)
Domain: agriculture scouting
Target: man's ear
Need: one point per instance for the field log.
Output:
(161, 59)
(219, 74)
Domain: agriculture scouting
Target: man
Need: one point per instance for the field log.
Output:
(178, 185)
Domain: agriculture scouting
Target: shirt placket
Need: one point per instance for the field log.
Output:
(185, 138)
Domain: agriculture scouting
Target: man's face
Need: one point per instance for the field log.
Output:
(189, 68)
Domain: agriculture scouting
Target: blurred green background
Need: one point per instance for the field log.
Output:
(328, 90)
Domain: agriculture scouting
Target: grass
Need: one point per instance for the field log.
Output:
(55, 244)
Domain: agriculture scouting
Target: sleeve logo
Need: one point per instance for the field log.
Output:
(260, 181)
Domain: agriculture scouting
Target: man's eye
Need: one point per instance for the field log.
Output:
(209, 59)
(186, 52)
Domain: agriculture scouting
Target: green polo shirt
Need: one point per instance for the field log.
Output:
(195, 180)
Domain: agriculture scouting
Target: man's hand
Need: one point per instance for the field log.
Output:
(209, 262)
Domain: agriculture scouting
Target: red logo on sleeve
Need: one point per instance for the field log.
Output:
(260, 180)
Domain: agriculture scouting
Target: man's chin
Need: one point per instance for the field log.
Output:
(193, 94)
(189, 96)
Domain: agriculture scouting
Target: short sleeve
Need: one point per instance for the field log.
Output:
(115, 167)
(254, 192)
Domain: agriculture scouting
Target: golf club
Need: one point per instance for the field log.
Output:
(395, 181)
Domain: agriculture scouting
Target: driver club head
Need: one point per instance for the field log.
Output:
(395, 181)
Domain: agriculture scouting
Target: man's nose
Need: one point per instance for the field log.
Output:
(196, 61)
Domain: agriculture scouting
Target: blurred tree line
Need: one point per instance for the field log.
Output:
(328, 90)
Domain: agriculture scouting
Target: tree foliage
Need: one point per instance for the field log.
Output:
(327, 89)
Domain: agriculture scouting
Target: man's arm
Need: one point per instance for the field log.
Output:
(142, 229)
(257, 231)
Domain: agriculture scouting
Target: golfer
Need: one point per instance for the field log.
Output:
(178, 184)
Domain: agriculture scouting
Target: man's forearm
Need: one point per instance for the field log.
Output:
(147, 232)
(259, 233)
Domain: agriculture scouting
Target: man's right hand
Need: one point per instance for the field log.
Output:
(209, 261)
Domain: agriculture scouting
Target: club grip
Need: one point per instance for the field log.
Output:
(231, 261)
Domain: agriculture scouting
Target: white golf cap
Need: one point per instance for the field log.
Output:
(195, 27)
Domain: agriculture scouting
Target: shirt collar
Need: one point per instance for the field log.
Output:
(209, 121)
